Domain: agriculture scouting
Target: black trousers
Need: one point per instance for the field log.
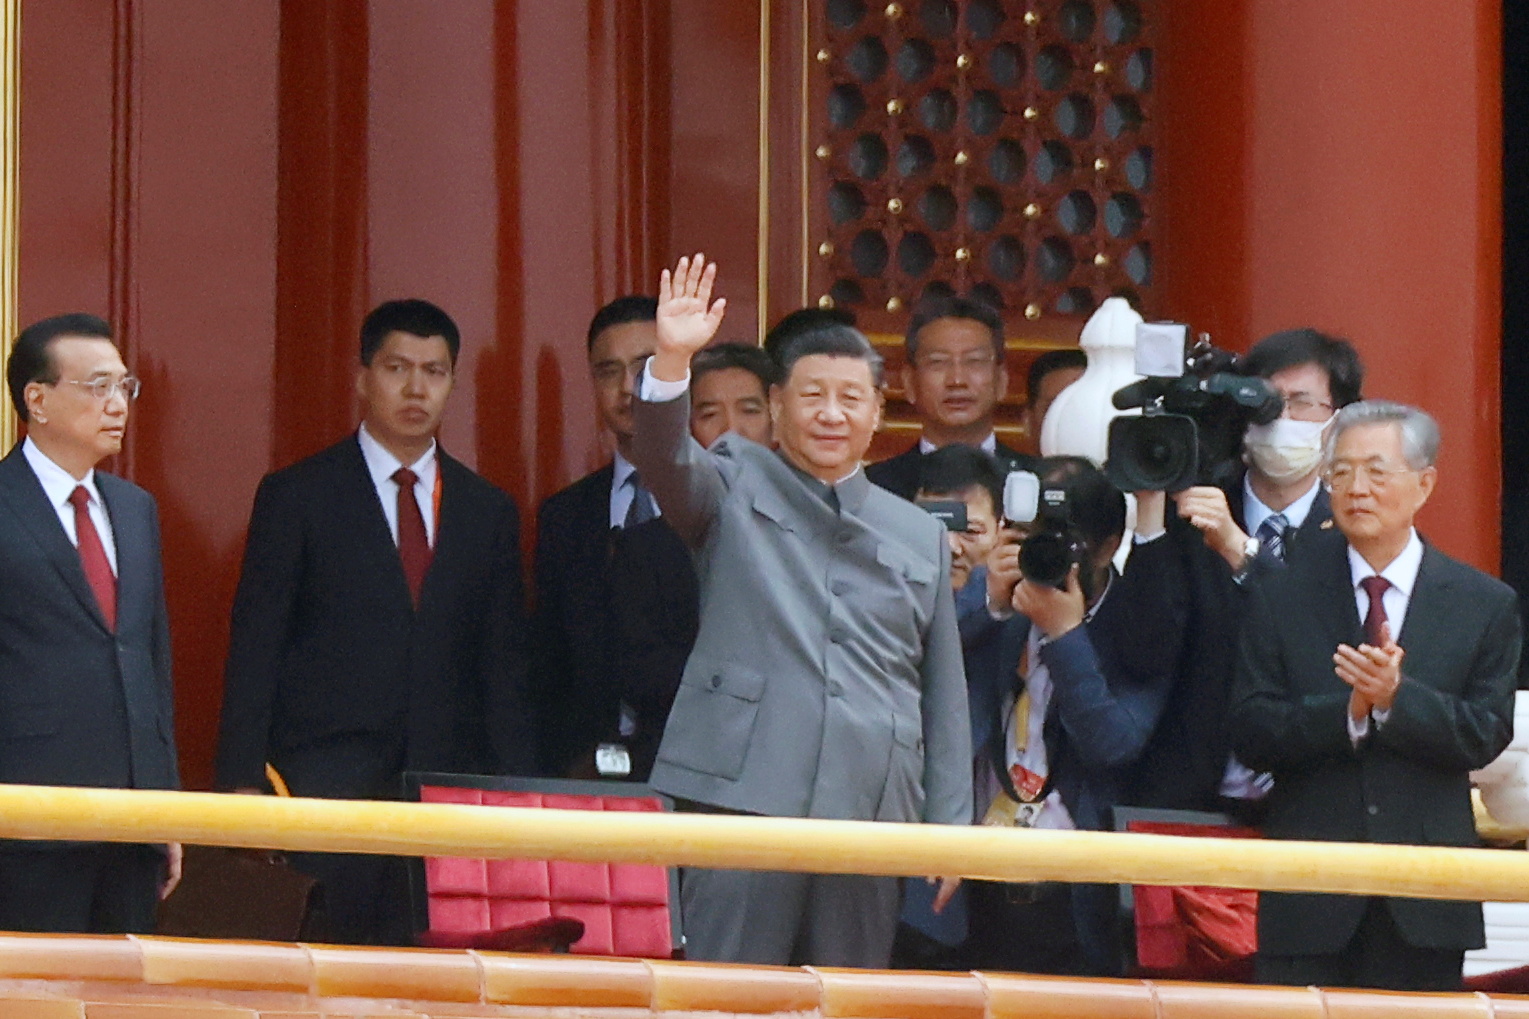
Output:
(1377, 957)
(80, 887)
(1023, 929)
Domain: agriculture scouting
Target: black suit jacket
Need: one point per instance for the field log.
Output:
(334, 676)
(1183, 766)
(616, 616)
(80, 704)
(1408, 781)
(900, 474)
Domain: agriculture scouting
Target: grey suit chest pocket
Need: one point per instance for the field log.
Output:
(910, 568)
(713, 720)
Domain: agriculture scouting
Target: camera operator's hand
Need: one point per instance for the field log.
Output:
(1055, 612)
(1150, 513)
(687, 317)
(1003, 572)
(1205, 507)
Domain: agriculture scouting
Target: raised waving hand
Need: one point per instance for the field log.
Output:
(687, 316)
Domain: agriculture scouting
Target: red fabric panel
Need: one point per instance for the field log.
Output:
(597, 939)
(455, 875)
(1222, 922)
(624, 907)
(642, 931)
(510, 798)
(1162, 943)
(517, 879)
(505, 913)
(639, 884)
(1195, 933)
(457, 914)
(579, 882)
(446, 794)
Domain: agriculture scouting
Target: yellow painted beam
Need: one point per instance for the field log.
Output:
(758, 843)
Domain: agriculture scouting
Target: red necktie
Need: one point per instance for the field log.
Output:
(1375, 587)
(413, 543)
(93, 557)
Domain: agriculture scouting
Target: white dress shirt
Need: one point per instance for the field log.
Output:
(1254, 512)
(988, 445)
(58, 484)
(381, 465)
(1402, 572)
(622, 493)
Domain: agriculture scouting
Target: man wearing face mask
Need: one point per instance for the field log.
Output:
(1279, 500)
(1245, 530)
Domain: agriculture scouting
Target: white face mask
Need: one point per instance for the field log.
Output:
(1285, 450)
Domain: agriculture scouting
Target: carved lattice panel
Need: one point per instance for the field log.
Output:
(999, 149)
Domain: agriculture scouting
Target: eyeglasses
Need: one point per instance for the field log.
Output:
(1343, 475)
(104, 389)
(1300, 403)
(972, 364)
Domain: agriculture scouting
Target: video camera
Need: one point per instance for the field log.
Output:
(1195, 409)
(1054, 545)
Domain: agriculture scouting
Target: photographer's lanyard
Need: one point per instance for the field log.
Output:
(1025, 792)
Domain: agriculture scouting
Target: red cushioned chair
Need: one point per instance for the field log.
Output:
(1187, 932)
(541, 905)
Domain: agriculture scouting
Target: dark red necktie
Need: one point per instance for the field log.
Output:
(413, 542)
(1375, 587)
(93, 557)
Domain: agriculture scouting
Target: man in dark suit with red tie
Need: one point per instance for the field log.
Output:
(85, 690)
(1371, 728)
(378, 626)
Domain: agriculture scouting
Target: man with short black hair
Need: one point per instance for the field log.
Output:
(730, 392)
(954, 377)
(800, 321)
(826, 679)
(1049, 374)
(379, 623)
(1374, 674)
(84, 636)
(1083, 677)
(616, 597)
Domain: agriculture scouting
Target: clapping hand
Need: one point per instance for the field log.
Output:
(1373, 673)
(687, 316)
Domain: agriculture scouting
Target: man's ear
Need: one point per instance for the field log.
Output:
(1001, 380)
(33, 396)
(910, 386)
(1428, 477)
(776, 401)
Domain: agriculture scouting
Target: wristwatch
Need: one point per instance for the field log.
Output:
(1250, 549)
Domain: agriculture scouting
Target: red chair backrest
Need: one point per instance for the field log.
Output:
(1194, 933)
(624, 907)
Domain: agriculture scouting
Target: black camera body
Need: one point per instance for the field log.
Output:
(1192, 423)
(1054, 545)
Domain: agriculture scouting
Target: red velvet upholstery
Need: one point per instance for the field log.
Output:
(1194, 933)
(624, 907)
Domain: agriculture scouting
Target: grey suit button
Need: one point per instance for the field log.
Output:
(836, 635)
(845, 537)
(716, 681)
(839, 588)
(1374, 810)
(835, 688)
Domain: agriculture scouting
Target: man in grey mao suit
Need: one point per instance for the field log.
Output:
(826, 679)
